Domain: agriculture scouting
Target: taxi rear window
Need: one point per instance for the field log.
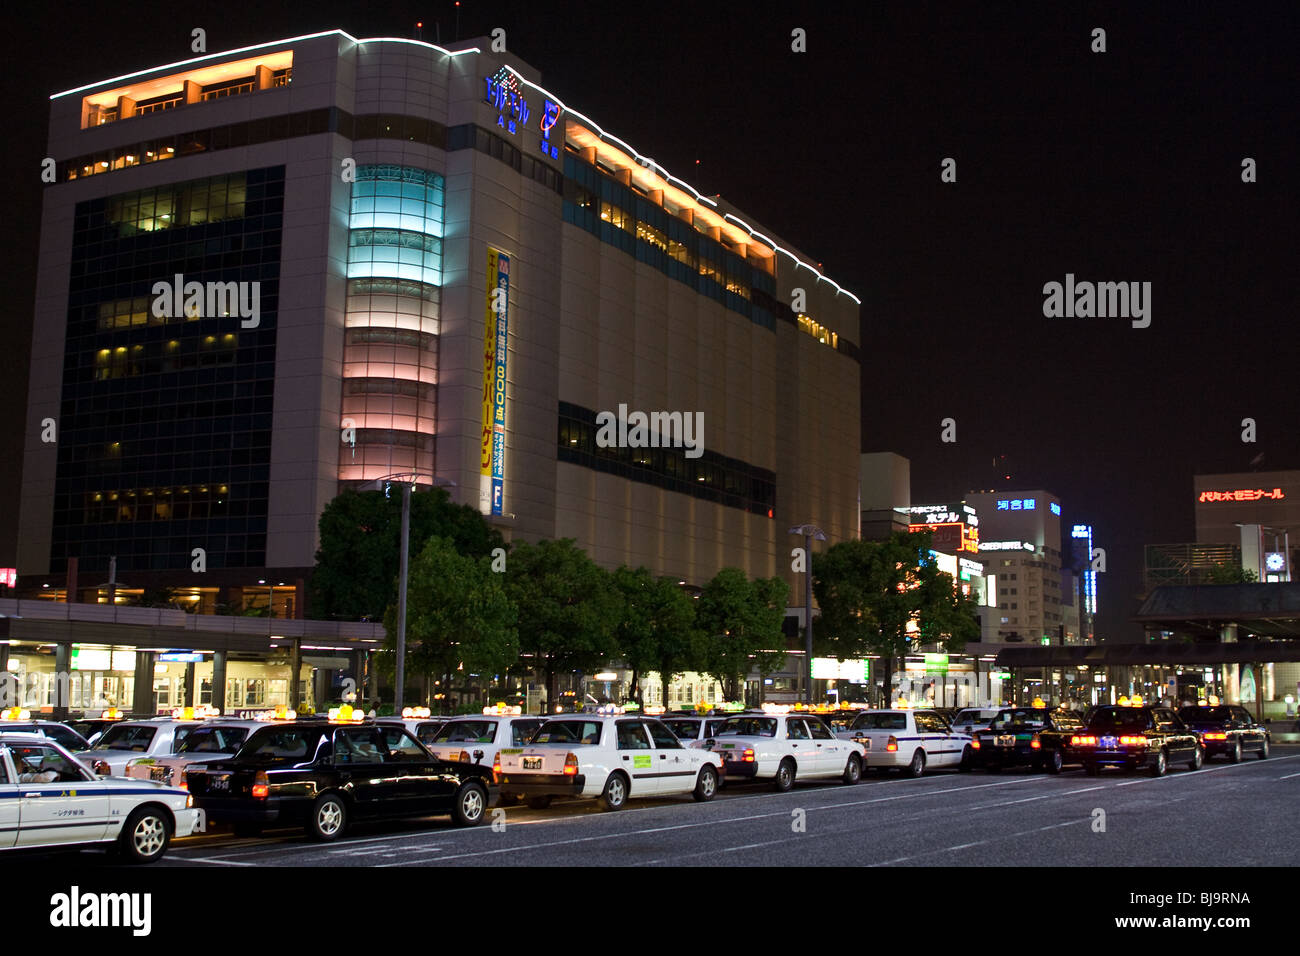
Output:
(748, 727)
(684, 729)
(127, 738)
(467, 732)
(1205, 713)
(880, 722)
(567, 732)
(280, 743)
(213, 740)
(1019, 717)
(1117, 718)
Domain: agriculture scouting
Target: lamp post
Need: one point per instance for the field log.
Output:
(408, 481)
(809, 532)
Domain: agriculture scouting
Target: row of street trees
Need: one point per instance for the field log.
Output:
(476, 606)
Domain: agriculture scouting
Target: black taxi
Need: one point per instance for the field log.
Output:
(1136, 737)
(1036, 737)
(1227, 729)
(325, 774)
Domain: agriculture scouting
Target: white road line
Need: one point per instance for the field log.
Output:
(1289, 776)
(1200, 773)
(1084, 790)
(1009, 803)
(215, 862)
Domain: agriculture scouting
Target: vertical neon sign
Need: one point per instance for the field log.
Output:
(492, 449)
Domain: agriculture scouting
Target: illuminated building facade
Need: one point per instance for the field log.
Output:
(1020, 545)
(417, 260)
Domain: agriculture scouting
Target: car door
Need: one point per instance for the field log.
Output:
(1252, 735)
(936, 739)
(8, 803)
(832, 753)
(636, 755)
(423, 786)
(71, 806)
(1179, 739)
(358, 759)
(799, 743)
(675, 773)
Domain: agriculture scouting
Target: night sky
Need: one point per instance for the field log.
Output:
(1121, 166)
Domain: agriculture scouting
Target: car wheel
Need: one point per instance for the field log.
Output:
(967, 760)
(614, 796)
(706, 785)
(1055, 762)
(853, 772)
(917, 767)
(1198, 758)
(329, 818)
(247, 829)
(1090, 768)
(1235, 754)
(784, 776)
(539, 803)
(144, 837)
(1160, 764)
(1263, 751)
(470, 806)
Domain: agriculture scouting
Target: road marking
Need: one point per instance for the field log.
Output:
(1084, 790)
(1199, 773)
(1289, 776)
(1008, 803)
(215, 862)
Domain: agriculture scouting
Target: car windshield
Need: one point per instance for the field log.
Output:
(567, 732)
(1216, 715)
(684, 729)
(880, 722)
(1066, 721)
(840, 722)
(125, 737)
(280, 743)
(1119, 718)
(467, 732)
(748, 727)
(1021, 717)
(213, 740)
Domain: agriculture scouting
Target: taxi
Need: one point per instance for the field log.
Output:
(1132, 736)
(324, 774)
(779, 744)
(611, 756)
(49, 799)
(418, 720)
(1227, 729)
(92, 728)
(1037, 737)
(216, 739)
(911, 741)
(478, 739)
(15, 720)
(128, 740)
(694, 729)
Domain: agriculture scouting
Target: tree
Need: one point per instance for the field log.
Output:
(1225, 573)
(741, 623)
(360, 544)
(458, 615)
(568, 607)
(658, 627)
(870, 591)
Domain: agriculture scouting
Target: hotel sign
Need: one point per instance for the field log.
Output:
(492, 448)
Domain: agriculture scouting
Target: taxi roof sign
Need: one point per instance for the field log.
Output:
(15, 713)
(419, 713)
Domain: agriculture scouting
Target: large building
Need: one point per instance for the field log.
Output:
(1258, 511)
(1020, 545)
(270, 273)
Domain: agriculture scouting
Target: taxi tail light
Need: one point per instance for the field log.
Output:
(891, 745)
(260, 785)
(496, 768)
(571, 765)
(463, 756)
(1216, 736)
(1133, 741)
(975, 743)
(1035, 743)
(747, 756)
(1083, 741)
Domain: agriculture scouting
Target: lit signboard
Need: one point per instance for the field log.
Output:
(955, 527)
(179, 658)
(1241, 494)
(9, 577)
(1017, 504)
(503, 92)
(936, 663)
(1081, 531)
(967, 567)
(1275, 561)
(828, 668)
(1006, 546)
(492, 449)
(1056, 509)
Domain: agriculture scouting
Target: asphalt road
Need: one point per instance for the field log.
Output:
(1222, 815)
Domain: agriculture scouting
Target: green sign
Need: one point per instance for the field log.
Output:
(640, 762)
(936, 663)
(1046, 639)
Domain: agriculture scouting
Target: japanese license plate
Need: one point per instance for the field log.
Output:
(1006, 740)
(1110, 743)
(221, 782)
(530, 763)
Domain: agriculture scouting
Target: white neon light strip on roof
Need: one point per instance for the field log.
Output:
(647, 161)
(261, 46)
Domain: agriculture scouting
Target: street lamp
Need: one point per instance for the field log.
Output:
(408, 481)
(809, 532)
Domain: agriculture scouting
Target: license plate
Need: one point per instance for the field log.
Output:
(1006, 740)
(1110, 743)
(531, 763)
(220, 783)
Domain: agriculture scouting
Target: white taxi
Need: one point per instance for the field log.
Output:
(909, 740)
(478, 739)
(49, 799)
(208, 742)
(610, 756)
(778, 745)
(128, 740)
(418, 720)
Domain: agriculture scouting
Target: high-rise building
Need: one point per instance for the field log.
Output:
(1020, 545)
(274, 272)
